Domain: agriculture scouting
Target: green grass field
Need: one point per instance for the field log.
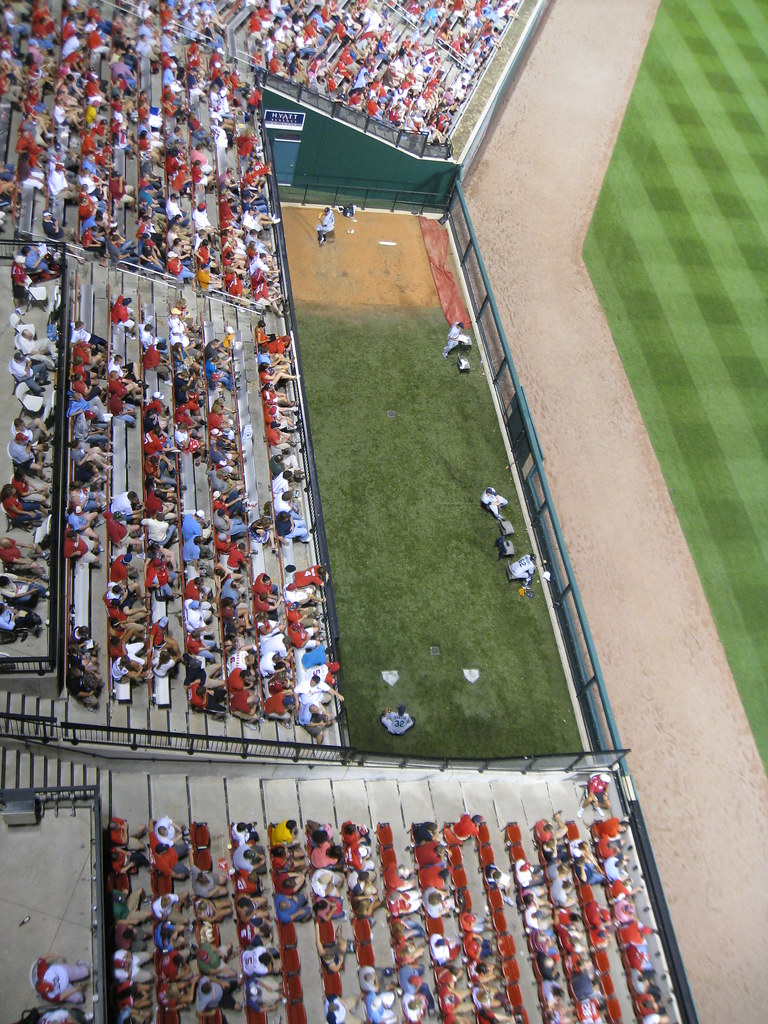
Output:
(678, 252)
(412, 552)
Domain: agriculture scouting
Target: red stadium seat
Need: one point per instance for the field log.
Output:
(506, 946)
(613, 1009)
(500, 925)
(513, 834)
(332, 984)
(573, 830)
(296, 1013)
(510, 970)
(362, 929)
(486, 855)
(365, 954)
(293, 988)
(515, 996)
(455, 855)
(384, 835)
(483, 833)
(459, 878)
(434, 925)
(602, 963)
(387, 856)
(287, 934)
(291, 961)
(326, 931)
(252, 1016)
(495, 899)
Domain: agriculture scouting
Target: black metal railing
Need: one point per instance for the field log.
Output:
(48, 663)
(50, 732)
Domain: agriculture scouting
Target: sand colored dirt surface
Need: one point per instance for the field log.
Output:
(703, 787)
(356, 269)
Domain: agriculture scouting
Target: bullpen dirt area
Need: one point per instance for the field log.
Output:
(531, 193)
(377, 259)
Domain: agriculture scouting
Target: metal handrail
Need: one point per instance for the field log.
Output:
(49, 731)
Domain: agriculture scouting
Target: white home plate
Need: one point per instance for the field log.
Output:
(387, 243)
(471, 675)
(390, 678)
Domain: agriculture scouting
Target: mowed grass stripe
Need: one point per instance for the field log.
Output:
(678, 250)
(694, 270)
(412, 553)
(700, 482)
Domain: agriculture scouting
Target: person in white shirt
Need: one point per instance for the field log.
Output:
(58, 184)
(325, 224)
(523, 569)
(203, 225)
(493, 501)
(456, 337)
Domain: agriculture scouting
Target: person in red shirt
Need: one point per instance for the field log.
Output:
(244, 704)
(236, 556)
(596, 795)
(466, 826)
(77, 548)
(121, 314)
(316, 575)
(280, 706)
(172, 965)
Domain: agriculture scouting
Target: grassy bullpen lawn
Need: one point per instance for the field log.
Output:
(678, 252)
(412, 553)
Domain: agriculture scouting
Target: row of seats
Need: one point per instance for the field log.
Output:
(26, 496)
(611, 843)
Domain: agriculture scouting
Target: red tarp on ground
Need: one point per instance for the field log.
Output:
(436, 243)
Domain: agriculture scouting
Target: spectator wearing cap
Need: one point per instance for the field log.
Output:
(160, 639)
(121, 314)
(456, 338)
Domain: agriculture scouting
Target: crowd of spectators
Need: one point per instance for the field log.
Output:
(26, 496)
(169, 905)
(138, 142)
(409, 65)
